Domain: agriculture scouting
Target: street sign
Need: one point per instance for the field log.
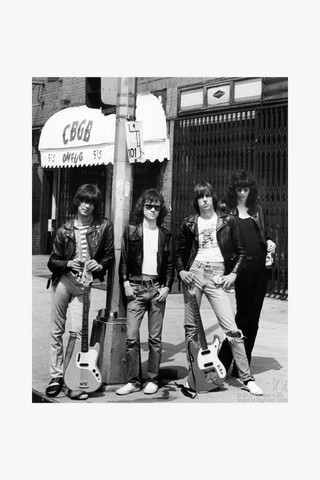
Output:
(134, 138)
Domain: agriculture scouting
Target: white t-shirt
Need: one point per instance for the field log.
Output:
(150, 250)
(209, 250)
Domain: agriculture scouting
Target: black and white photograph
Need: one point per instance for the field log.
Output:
(160, 300)
(160, 239)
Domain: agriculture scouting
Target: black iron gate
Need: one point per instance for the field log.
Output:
(209, 147)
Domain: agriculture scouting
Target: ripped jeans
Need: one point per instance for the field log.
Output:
(204, 274)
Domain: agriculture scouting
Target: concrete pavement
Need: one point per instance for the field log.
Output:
(269, 363)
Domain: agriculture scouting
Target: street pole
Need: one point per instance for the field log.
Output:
(111, 331)
(122, 182)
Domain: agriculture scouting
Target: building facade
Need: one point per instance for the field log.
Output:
(215, 125)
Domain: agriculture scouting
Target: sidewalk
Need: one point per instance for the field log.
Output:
(269, 363)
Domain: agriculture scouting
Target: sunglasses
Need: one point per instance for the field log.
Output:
(150, 206)
(245, 189)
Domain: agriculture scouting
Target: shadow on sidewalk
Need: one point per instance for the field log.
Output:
(264, 364)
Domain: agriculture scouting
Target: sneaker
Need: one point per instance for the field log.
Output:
(150, 388)
(54, 387)
(253, 388)
(128, 388)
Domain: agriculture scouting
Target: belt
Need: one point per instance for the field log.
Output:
(257, 257)
(145, 283)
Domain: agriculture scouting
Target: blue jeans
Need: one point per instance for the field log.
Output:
(145, 301)
(67, 292)
(220, 303)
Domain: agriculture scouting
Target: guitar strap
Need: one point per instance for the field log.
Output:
(187, 392)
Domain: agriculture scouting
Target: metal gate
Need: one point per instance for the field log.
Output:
(209, 147)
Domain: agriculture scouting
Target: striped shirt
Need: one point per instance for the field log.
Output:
(82, 251)
(83, 240)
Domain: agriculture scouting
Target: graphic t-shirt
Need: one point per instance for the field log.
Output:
(209, 250)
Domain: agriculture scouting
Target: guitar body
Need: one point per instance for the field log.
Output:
(208, 372)
(82, 372)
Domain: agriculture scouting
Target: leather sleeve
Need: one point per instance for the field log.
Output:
(169, 273)
(238, 245)
(124, 257)
(57, 262)
(261, 219)
(181, 248)
(107, 248)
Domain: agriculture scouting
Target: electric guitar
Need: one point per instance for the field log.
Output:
(82, 372)
(208, 372)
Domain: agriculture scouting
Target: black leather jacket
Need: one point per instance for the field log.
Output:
(132, 254)
(228, 236)
(100, 244)
(257, 214)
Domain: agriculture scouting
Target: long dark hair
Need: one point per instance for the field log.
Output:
(200, 190)
(149, 196)
(241, 178)
(91, 194)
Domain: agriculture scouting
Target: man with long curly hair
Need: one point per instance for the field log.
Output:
(147, 273)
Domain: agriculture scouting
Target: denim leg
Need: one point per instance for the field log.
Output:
(155, 322)
(76, 307)
(240, 358)
(135, 312)
(60, 297)
(188, 310)
(221, 305)
(191, 334)
(66, 292)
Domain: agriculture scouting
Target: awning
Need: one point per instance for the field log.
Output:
(82, 136)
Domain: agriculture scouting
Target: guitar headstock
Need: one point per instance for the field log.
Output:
(87, 277)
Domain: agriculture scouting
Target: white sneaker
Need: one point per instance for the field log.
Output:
(253, 388)
(150, 388)
(128, 388)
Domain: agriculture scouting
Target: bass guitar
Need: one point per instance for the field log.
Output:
(207, 372)
(82, 372)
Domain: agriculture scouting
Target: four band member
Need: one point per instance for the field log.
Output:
(210, 247)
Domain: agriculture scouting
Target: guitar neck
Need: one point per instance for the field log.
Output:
(85, 320)
(198, 322)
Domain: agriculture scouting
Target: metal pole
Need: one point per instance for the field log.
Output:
(122, 182)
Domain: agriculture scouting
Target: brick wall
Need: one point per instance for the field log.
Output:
(49, 95)
(37, 181)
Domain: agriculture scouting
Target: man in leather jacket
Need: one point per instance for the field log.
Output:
(85, 241)
(146, 273)
(210, 253)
